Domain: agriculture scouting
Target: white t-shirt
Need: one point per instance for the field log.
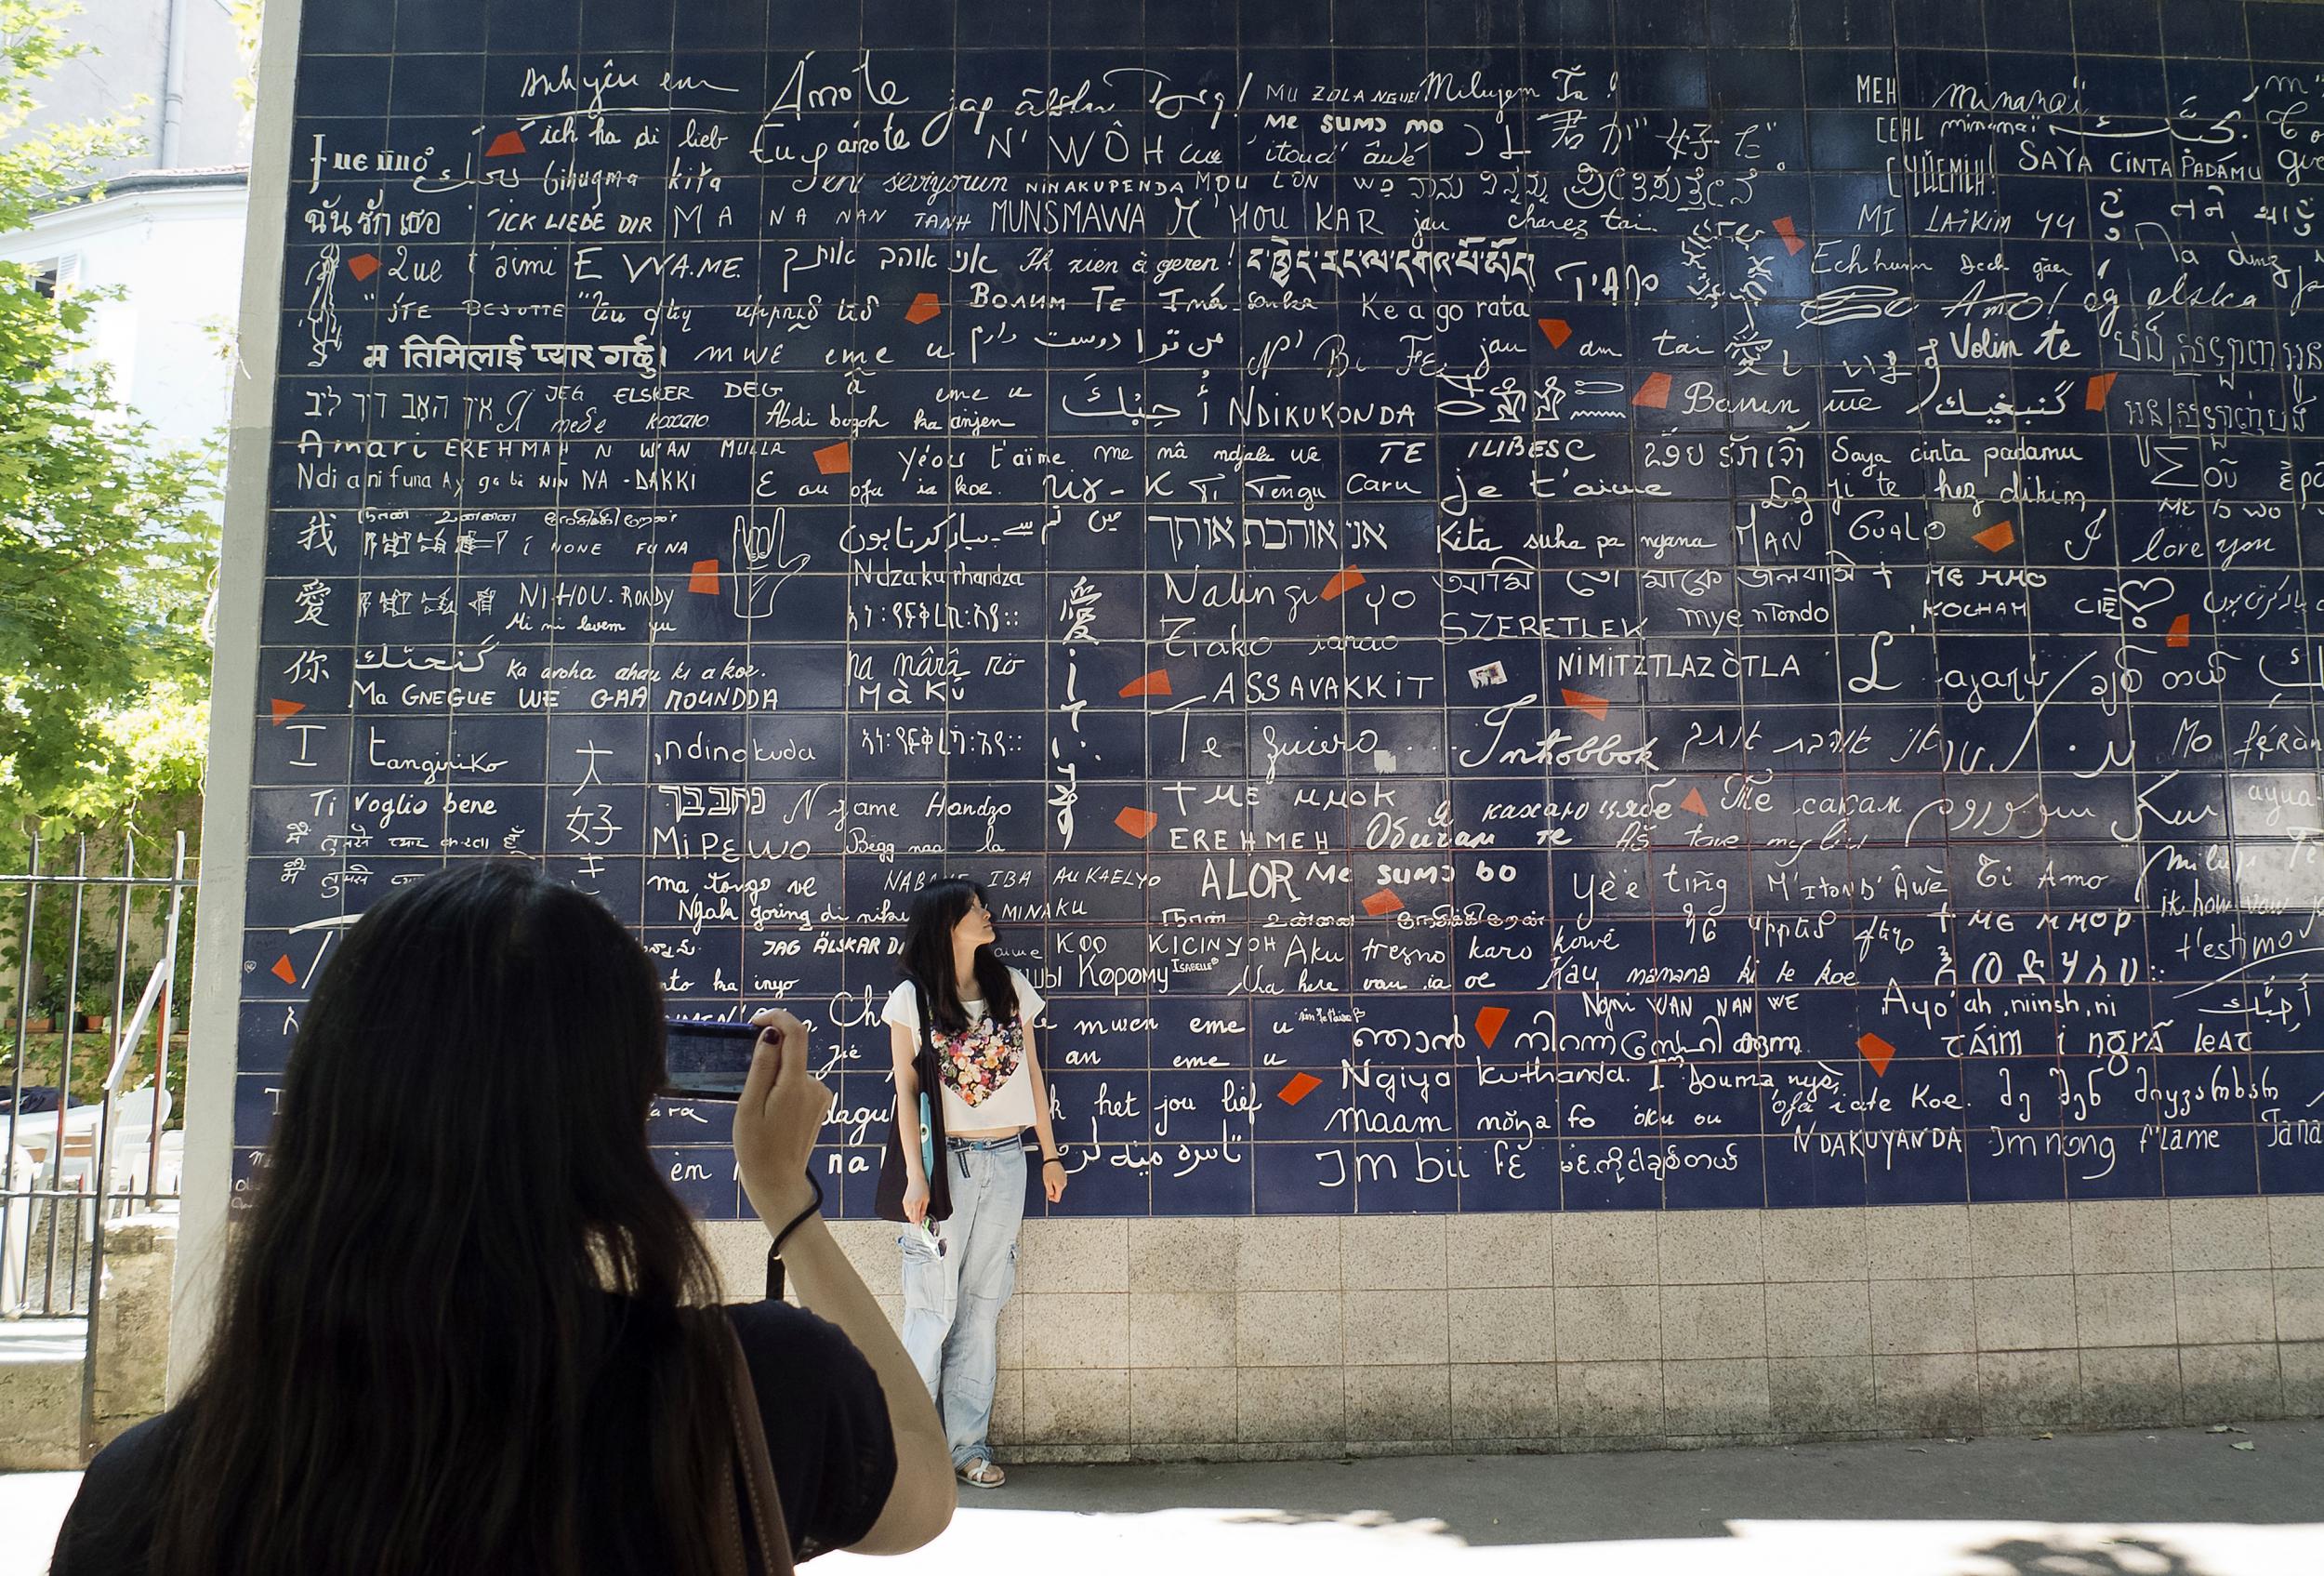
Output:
(982, 1072)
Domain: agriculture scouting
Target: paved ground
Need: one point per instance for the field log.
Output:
(2181, 1503)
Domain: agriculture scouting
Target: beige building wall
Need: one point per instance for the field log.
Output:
(1316, 1336)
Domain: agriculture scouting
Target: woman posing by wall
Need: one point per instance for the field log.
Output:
(962, 1021)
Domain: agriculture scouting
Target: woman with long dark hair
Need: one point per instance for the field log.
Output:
(466, 1325)
(965, 1018)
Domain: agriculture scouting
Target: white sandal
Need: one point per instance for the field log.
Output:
(981, 1474)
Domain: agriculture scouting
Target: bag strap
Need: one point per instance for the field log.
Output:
(764, 1529)
(932, 1095)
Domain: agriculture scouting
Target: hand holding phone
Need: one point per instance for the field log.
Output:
(781, 1114)
(780, 1105)
(707, 1058)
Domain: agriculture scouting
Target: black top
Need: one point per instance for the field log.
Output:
(826, 1421)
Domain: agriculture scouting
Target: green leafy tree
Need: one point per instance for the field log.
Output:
(108, 549)
(107, 541)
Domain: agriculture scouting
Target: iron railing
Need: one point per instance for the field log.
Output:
(68, 1170)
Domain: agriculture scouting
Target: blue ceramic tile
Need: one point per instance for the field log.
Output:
(1918, 1177)
(2202, 1161)
(1811, 1179)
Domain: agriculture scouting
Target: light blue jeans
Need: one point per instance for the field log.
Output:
(956, 1282)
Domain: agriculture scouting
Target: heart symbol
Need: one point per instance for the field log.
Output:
(2162, 586)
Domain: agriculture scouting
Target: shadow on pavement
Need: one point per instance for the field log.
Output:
(2164, 1476)
(2058, 1556)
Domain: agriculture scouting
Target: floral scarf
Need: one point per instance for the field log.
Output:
(975, 1063)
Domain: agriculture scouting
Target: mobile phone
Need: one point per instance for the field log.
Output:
(707, 1058)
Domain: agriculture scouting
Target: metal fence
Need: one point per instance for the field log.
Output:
(77, 1156)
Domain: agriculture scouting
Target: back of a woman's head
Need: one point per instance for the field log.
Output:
(415, 1304)
(477, 1053)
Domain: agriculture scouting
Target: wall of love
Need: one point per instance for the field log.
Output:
(1553, 605)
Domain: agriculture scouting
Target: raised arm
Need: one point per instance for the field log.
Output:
(1052, 1177)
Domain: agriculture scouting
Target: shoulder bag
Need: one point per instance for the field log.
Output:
(752, 1539)
(887, 1203)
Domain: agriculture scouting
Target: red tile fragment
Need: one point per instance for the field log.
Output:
(1342, 584)
(1694, 801)
(1300, 1088)
(1155, 682)
(2100, 387)
(1490, 1022)
(506, 145)
(704, 579)
(832, 459)
(1383, 902)
(283, 971)
(1137, 822)
(1791, 242)
(1581, 700)
(1875, 1051)
(363, 265)
(1557, 330)
(283, 709)
(1997, 537)
(924, 306)
(2179, 634)
(1655, 392)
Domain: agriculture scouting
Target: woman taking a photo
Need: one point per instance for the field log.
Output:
(962, 1195)
(467, 1328)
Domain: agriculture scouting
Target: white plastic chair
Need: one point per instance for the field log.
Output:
(135, 1116)
(169, 1169)
(16, 1235)
(36, 1132)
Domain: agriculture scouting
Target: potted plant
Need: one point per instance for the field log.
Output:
(47, 1002)
(99, 963)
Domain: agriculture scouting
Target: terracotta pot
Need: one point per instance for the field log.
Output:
(93, 1022)
(41, 1026)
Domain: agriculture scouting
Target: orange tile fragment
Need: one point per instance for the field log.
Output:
(283, 971)
(2100, 387)
(1997, 537)
(1383, 902)
(832, 459)
(1155, 682)
(363, 265)
(1655, 392)
(924, 306)
(1694, 801)
(702, 579)
(1581, 700)
(1137, 822)
(1791, 242)
(506, 145)
(1557, 330)
(1875, 1051)
(1342, 584)
(1490, 1022)
(1300, 1088)
(2179, 627)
